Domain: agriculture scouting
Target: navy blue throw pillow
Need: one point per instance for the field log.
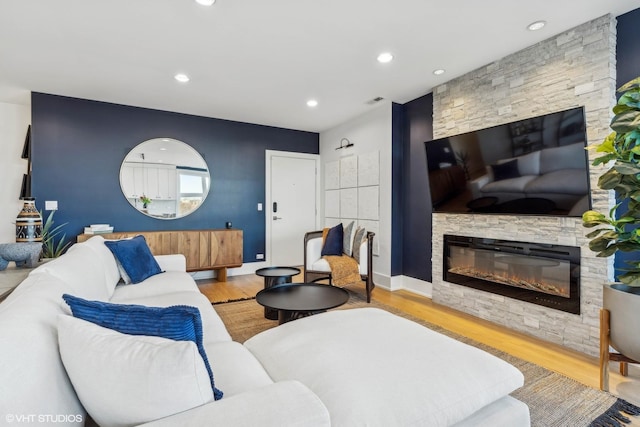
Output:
(135, 257)
(506, 170)
(178, 322)
(333, 244)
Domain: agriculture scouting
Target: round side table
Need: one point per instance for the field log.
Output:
(276, 276)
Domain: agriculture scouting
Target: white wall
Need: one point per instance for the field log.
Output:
(369, 132)
(14, 120)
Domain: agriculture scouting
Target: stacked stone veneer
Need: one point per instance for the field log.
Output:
(575, 68)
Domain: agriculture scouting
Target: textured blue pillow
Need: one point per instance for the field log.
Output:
(135, 257)
(178, 322)
(334, 241)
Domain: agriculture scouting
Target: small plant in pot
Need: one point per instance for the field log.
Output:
(619, 230)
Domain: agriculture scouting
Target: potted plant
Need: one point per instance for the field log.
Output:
(51, 248)
(145, 201)
(619, 229)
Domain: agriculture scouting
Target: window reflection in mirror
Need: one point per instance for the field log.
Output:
(164, 178)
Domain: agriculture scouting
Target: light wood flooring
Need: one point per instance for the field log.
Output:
(573, 364)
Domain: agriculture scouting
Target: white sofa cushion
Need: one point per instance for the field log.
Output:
(349, 358)
(510, 185)
(563, 181)
(163, 283)
(287, 403)
(236, 369)
(107, 260)
(82, 271)
(566, 157)
(125, 380)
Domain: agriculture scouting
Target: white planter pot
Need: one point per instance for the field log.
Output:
(623, 303)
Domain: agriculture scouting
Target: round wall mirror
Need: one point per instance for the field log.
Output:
(164, 178)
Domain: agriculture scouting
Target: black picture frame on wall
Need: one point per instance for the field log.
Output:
(25, 188)
(26, 148)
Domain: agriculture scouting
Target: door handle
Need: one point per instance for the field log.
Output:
(276, 217)
(275, 207)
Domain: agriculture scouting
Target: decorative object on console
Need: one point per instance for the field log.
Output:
(135, 260)
(98, 229)
(29, 222)
(618, 231)
(179, 323)
(23, 254)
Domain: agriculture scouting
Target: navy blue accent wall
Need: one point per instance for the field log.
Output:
(78, 146)
(627, 68)
(416, 206)
(397, 178)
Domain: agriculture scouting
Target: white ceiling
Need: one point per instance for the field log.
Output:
(259, 61)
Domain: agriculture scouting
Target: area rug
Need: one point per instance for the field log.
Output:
(553, 399)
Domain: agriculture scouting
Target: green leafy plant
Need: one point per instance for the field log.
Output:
(51, 249)
(621, 230)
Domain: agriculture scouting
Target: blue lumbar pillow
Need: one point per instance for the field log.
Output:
(135, 258)
(178, 322)
(333, 243)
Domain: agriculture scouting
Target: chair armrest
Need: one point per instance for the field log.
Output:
(174, 262)
(286, 403)
(312, 248)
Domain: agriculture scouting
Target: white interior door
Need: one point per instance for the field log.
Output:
(291, 209)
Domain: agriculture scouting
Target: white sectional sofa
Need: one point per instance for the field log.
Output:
(344, 368)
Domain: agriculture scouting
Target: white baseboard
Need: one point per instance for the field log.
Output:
(247, 268)
(406, 283)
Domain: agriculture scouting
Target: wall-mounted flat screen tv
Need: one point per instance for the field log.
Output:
(537, 166)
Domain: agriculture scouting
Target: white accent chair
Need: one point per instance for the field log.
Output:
(316, 268)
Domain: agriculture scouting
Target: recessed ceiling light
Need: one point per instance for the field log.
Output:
(312, 103)
(182, 78)
(163, 149)
(385, 57)
(438, 71)
(206, 2)
(534, 26)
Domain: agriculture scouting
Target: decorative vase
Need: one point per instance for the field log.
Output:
(623, 303)
(145, 205)
(29, 222)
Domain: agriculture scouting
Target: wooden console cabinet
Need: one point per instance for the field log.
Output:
(203, 249)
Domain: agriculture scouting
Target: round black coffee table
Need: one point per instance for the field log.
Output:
(276, 276)
(297, 300)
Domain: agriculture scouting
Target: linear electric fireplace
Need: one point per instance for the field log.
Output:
(543, 274)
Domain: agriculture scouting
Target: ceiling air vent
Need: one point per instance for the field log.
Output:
(375, 100)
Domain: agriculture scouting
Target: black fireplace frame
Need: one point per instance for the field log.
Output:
(559, 252)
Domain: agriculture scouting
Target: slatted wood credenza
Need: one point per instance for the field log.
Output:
(203, 249)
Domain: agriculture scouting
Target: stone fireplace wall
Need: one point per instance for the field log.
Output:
(575, 68)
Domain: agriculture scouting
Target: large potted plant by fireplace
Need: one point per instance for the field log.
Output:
(618, 230)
